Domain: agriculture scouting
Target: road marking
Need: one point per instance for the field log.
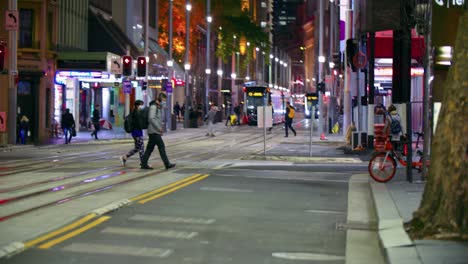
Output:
(173, 189)
(306, 256)
(172, 219)
(218, 189)
(118, 250)
(59, 231)
(324, 212)
(74, 233)
(149, 232)
(163, 188)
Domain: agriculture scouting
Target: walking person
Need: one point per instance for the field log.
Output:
(210, 117)
(96, 118)
(288, 118)
(137, 133)
(68, 124)
(24, 129)
(177, 111)
(155, 132)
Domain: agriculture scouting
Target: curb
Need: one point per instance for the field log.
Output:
(395, 243)
(17, 247)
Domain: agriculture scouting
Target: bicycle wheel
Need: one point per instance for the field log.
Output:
(382, 169)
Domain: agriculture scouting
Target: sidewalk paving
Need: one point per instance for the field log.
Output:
(395, 203)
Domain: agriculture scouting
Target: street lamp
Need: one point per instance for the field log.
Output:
(209, 19)
(188, 8)
(219, 72)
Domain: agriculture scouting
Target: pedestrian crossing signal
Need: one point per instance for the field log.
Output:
(127, 66)
(141, 66)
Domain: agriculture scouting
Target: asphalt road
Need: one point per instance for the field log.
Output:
(223, 203)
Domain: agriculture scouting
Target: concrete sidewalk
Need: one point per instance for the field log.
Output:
(395, 203)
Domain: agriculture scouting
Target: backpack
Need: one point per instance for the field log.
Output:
(292, 112)
(145, 113)
(395, 126)
(128, 123)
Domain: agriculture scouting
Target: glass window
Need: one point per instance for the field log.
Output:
(26, 28)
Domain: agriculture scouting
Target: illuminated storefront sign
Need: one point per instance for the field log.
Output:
(450, 3)
(389, 72)
(61, 76)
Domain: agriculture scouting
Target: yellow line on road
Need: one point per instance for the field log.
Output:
(74, 233)
(163, 188)
(59, 231)
(173, 189)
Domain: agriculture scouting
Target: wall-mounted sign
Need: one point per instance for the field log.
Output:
(61, 76)
(450, 3)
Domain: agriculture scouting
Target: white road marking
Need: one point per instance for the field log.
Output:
(324, 212)
(218, 189)
(306, 256)
(149, 232)
(118, 250)
(172, 219)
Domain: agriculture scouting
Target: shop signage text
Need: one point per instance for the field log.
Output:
(450, 3)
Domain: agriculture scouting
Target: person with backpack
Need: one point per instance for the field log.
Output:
(288, 118)
(393, 126)
(135, 122)
(155, 132)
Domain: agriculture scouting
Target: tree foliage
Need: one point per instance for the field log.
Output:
(229, 19)
(443, 212)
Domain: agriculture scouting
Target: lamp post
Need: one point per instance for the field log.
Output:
(170, 64)
(208, 69)
(188, 8)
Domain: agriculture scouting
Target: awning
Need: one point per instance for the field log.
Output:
(384, 46)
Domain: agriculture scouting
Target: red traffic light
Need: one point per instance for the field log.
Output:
(127, 65)
(141, 66)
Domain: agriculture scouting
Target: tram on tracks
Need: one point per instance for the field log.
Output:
(311, 100)
(258, 94)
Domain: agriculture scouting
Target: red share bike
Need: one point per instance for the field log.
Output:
(383, 164)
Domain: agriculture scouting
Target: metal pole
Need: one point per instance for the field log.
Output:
(320, 65)
(347, 76)
(145, 93)
(208, 68)
(187, 46)
(171, 67)
(264, 125)
(12, 58)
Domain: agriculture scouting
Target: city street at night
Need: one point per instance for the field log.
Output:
(222, 203)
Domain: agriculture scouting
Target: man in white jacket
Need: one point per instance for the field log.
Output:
(155, 132)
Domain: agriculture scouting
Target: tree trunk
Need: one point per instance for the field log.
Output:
(443, 212)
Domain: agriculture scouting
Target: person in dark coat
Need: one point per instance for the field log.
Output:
(67, 124)
(137, 133)
(96, 124)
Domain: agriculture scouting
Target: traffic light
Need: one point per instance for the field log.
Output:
(141, 66)
(321, 87)
(2, 56)
(336, 58)
(351, 50)
(126, 65)
(144, 85)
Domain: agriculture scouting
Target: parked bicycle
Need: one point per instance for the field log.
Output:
(383, 164)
